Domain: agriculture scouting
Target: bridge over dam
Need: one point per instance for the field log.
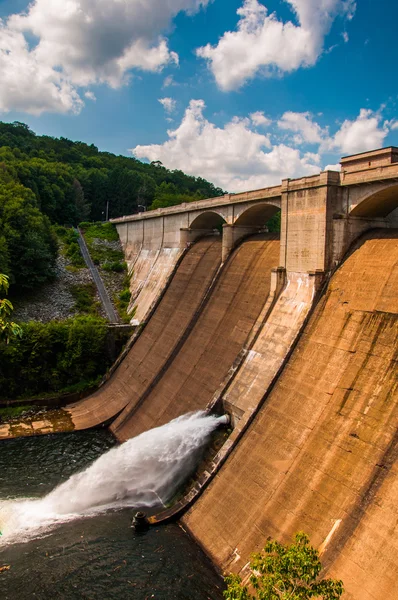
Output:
(295, 336)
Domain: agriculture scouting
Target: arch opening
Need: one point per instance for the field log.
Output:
(208, 220)
(378, 205)
(260, 215)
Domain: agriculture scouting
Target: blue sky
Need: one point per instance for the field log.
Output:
(252, 91)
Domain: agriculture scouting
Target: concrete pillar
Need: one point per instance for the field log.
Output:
(307, 208)
(278, 278)
(319, 278)
(231, 234)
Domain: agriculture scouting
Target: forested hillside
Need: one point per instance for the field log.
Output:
(45, 181)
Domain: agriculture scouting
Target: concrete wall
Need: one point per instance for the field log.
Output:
(210, 349)
(320, 456)
(312, 238)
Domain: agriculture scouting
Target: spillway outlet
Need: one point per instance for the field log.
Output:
(224, 420)
(140, 522)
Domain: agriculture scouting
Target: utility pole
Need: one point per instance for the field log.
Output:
(107, 211)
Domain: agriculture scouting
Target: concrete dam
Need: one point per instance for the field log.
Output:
(296, 338)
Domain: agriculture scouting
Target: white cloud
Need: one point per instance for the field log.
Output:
(168, 81)
(262, 43)
(336, 167)
(259, 119)
(234, 157)
(302, 123)
(237, 157)
(364, 133)
(81, 42)
(345, 36)
(90, 96)
(26, 84)
(169, 104)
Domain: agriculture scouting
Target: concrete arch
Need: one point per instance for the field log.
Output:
(208, 220)
(257, 215)
(377, 204)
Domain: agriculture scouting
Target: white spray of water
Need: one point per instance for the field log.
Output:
(145, 471)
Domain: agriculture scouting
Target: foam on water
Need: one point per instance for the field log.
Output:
(145, 471)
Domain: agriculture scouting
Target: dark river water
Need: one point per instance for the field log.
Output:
(96, 558)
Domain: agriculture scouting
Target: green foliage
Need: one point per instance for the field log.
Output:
(8, 329)
(45, 180)
(168, 194)
(100, 231)
(122, 300)
(28, 244)
(285, 572)
(274, 223)
(116, 267)
(73, 181)
(99, 237)
(13, 412)
(84, 297)
(54, 356)
(71, 248)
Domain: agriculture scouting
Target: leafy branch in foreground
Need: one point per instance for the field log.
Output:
(7, 327)
(285, 572)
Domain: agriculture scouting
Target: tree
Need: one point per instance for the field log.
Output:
(8, 328)
(26, 236)
(283, 572)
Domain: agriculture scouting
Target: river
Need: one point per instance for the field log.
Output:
(97, 557)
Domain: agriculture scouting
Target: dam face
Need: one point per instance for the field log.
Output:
(321, 454)
(154, 347)
(217, 338)
(297, 340)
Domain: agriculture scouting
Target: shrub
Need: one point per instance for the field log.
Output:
(84, 296)
(282, 572)
(116, 267)
(101, 231)
(53, 357)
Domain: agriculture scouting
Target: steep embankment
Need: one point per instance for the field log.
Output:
(321, 454)
(158, 340)
(213, 345)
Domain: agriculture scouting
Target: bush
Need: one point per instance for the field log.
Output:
(101, 231)
(71, 247)
(122, 300)
(116, 267)
(282, 572)
(84, 296)
(52, 357)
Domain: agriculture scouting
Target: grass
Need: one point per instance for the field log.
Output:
(122, 300)
(97, 235)
(13, 412)
(69, 246)
(84, 297)
(99, 231)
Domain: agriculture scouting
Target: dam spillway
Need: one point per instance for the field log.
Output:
(156, 343)
(217, 338)
(320, 455)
